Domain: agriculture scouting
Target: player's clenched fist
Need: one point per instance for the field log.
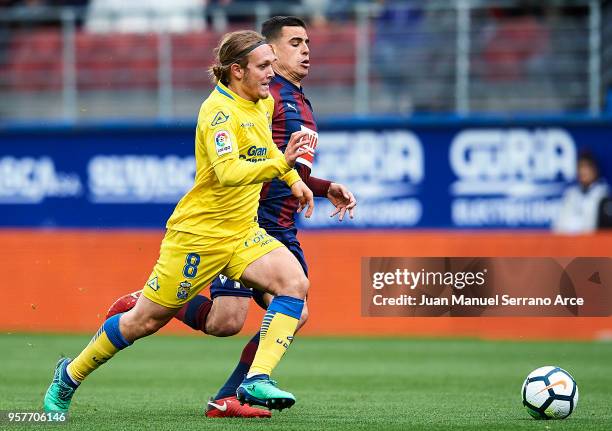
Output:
(297, 146)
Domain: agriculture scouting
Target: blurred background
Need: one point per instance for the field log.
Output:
(464, 128)
(77, 60)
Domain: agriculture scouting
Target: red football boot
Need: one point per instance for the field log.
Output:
(123, 304)
(230, 408)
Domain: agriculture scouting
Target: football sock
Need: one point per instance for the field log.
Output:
(246, 359)
(103, 346)
(194, 313)
(277, 329)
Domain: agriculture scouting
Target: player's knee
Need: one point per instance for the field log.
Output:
(296, 286)
(301, 286)
(226, 328)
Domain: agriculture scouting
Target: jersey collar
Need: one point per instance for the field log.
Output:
(235, 97)
(284, 81)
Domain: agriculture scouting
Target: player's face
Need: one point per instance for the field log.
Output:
(293, 54)
(258, 73)
(587, 174)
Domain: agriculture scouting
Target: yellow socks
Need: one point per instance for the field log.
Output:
(277, 329)
(103, 346)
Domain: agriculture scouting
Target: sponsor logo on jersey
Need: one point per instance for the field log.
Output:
(220, 118)
(247, 124)
(255, 154)
(257, 151)
(223, 143)
(291, 106)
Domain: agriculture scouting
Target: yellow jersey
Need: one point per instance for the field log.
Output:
(234, 155)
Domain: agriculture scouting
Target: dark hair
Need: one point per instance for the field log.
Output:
(271, 28)
(586, 156)
(233, 48)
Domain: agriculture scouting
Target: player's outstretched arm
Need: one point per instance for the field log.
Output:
(342, 199)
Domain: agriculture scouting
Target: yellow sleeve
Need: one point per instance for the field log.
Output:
(221, 130)
(236, 172)
(291, 177)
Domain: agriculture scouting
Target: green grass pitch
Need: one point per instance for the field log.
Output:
(341, 383)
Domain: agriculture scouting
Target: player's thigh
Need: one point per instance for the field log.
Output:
(290, 241)
(227, 315)
(278, 273)
(254, 244)
(187, 264)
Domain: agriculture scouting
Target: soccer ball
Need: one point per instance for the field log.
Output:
(550, 393)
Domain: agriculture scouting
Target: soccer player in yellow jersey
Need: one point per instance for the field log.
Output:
(214, 229)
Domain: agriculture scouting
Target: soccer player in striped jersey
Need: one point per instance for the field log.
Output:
(224, 315)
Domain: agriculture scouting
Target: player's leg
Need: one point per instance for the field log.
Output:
(115, 334)
(289, 239)
(164, 294)
(226, 316)
(279, 273)
(248, 354)
(222, 316)
(263, 300)
(230, 305)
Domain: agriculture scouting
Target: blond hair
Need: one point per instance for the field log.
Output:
(233, 48)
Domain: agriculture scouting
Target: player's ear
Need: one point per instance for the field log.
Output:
(236, 71)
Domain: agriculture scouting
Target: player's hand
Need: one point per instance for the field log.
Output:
(305, 197)
(297, 146)
(342, 199)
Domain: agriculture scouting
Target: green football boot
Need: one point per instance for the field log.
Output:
(260, 390)
(59, 394)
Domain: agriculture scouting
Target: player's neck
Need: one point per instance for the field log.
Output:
(287, 76)
(237, 89)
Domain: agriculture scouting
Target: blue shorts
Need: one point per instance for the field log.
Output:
(222, 286)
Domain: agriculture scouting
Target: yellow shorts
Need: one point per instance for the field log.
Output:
(188, 263)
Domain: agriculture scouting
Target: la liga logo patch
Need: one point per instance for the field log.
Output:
(223, 143)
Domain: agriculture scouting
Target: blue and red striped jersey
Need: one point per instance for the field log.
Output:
(292, 110)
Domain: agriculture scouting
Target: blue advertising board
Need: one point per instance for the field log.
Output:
(405, 175)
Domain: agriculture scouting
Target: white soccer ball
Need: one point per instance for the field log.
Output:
(550, 393)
